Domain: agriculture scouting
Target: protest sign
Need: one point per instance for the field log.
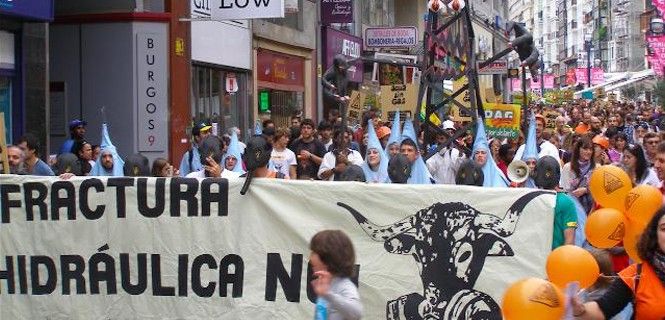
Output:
(121, 248)
(502, 120)
(550, 119)
(399, 97)
(354, 111)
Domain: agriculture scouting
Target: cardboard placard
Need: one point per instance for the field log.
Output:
(550, 119)
(399, 97)
(354, 111)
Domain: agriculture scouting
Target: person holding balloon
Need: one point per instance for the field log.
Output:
(642, 283)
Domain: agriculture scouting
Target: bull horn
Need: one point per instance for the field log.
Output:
(379, 233)
(506, 226)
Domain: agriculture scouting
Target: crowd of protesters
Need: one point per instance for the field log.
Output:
(560, 145)
(583, 136)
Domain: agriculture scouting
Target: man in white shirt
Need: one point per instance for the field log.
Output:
(443, 165)
(336, 160)
(283, 159)
(210, 151)
(545, 148)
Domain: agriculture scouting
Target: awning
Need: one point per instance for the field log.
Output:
(637, 76)
(619, 80)
(611, 79)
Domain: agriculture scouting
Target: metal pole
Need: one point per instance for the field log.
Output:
(434, 20)
(588, 64)
(525, 105)
(319, 65)
(542, 77)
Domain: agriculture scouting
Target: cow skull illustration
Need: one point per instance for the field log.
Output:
(450, 242)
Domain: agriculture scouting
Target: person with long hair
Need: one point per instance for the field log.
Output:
(618, 144)
(641, 283)
(635, 164)
(162, 168)
(576, 174)
(333, 259)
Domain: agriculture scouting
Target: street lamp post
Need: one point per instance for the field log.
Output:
(588, 45)
(542, 77)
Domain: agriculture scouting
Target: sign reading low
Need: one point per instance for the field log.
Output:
(246, 9)
(496, 67)
(400, 37)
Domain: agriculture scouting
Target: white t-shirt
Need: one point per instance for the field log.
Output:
(651, 178)
(329, 161)
(282, 160)
(546, 149)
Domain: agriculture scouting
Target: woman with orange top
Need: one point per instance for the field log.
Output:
(642, 284)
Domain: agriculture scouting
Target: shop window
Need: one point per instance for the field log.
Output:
(280, 105)
(211, 100)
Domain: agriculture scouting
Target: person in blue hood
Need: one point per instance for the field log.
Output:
(233, 158)
(375, 165)
(492, 175)
(109, 163)
(530, 155)
(409, 147)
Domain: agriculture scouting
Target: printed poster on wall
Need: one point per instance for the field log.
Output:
(181, 248)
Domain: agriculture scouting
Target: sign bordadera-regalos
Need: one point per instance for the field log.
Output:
(155, 248)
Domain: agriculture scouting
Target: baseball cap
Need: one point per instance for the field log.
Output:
(202, 126)
(448, 124)
(382, 132)
(601, 141)
(76, 123)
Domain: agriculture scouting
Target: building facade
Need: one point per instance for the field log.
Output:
(285, 65)
(24, 56)
(109, 62)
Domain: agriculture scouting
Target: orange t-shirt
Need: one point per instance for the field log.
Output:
(650, 292)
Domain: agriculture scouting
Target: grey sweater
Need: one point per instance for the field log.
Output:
(343, 300)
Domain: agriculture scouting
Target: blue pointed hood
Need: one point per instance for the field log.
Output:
(493, 176)
(419, 172)
(395, 132)
(409, 131)
(234, 151)
(373, 143)
(258, 130)
(530, 149)
(107, 146)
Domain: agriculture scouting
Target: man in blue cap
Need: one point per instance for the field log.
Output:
(191, 160)
(76, 132)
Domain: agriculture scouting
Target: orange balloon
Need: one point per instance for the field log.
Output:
(605, 228)
(533, 298)
(630, 239)
(609, 186)
(570, 263)
(642, 202)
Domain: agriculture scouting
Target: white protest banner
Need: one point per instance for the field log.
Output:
(246, 9)
(156, 248)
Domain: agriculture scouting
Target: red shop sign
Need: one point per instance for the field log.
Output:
(280, 68)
